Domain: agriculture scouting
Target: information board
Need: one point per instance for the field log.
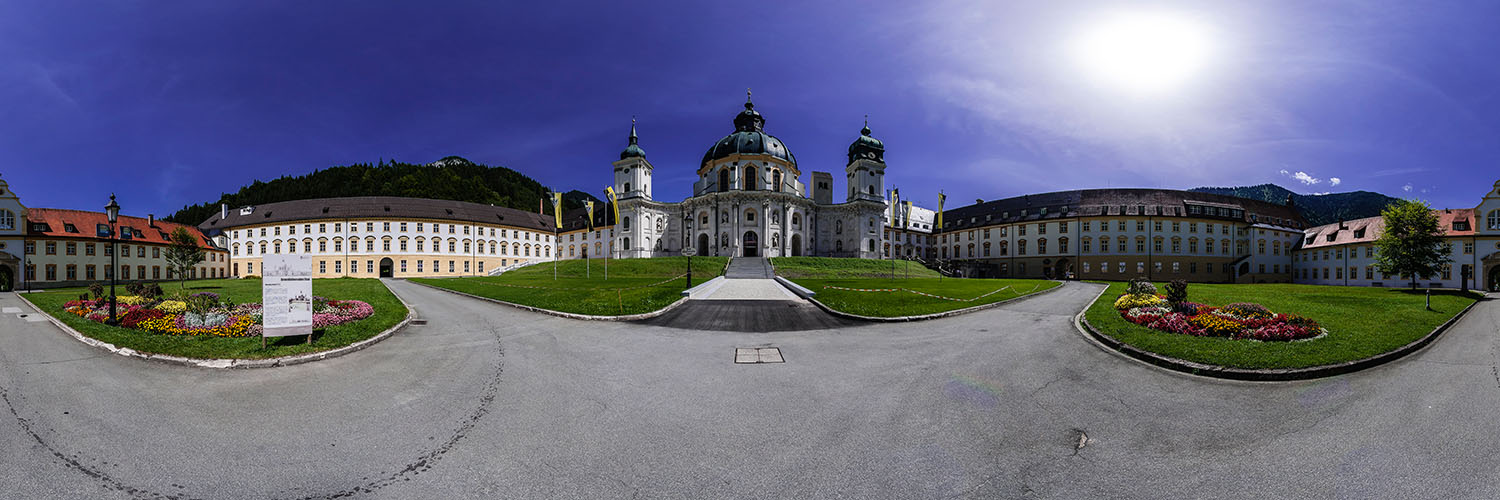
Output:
(286, 293)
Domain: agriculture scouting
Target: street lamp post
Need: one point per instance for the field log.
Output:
(687, 221)
(112, 211)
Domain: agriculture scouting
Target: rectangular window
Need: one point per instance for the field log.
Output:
(370, 266)
(1369, 272)
(1086, 226)
(72, 272)
(1176, 227)
(1468, 248)
(1192, 227)
(52, 249)
(156, 252)
(1261, 269)
(292, 230)
(338, 227)
(322, 227)
(1447, 271)
(369, 227)
(1192, 268)
(71, 248)
(419, 266)
(1120, 226)
(1041, 228)
(403, 267)
(124, 272)
(385, 226)
(1156, 226)
(322, 266)
(1062, 227)
(450, 266)
(466, 266)
(89, 272)
(1338, 273)
(338, 266)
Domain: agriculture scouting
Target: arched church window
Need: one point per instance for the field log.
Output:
(723, 180)
(872, 189)
(626, 243)
(625, 223)
(775, 180)
(627, 187)
(750, 179)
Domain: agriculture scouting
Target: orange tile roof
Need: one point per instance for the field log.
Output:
(85, 223)
(1374, 226)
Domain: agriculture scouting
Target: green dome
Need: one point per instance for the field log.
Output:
(866, 147)
(749, 138)
(633, 150)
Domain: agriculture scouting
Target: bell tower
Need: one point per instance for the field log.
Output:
(633, 172)
(866, 169)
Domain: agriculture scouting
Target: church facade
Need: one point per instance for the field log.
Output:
(749, 200)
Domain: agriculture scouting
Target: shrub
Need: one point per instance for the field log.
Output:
(151, 291)
(97, 289)
(135, 288)
(1141, 286)
(202, 302)
(1177, 291)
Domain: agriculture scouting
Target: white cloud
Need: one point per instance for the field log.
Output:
(1304, 177)
(1334, 181)
(1406, 188)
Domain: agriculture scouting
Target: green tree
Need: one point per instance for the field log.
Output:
(183, 254)
(1412, 245)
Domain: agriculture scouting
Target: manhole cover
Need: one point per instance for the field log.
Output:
(751, 355)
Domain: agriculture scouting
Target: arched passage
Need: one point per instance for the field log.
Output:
(703, 244)
(1494, 281)
(796, 245)
(386, 268)
(750, 244)
(7, 277)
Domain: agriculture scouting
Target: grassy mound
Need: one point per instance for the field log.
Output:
(388, 312)
(634, 286)
(830, 267)
(1361, 322)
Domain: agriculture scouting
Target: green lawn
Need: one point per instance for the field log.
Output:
(828, 267)
(388, 312)
(905, 303)
(634, 286)
(1361, 322)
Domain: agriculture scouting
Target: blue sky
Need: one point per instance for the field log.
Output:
(171, 103)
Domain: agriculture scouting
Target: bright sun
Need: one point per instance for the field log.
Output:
(1149, 53)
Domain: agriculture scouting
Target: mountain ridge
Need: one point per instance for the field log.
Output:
(1318, 209)
(450, 178)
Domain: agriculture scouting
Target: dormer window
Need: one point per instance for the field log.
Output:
(1329, 237)
(1359, 233)
(69, 228)
(1460, 225)
(247, 210)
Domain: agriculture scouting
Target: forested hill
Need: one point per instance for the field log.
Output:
(451, 178)
(1318, 209)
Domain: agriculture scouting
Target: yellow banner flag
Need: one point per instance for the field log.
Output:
(614, 202)
(589, 205)
(939, 226)
(906, 215)
(557, 208)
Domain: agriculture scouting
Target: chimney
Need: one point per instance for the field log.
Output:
(1289, 201)
(1342, 226)
(223, 211)
(150, 220)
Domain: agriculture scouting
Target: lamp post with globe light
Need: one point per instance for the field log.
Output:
(112, 211)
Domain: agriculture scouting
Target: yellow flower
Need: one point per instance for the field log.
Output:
(1129, 301)
(172, 306)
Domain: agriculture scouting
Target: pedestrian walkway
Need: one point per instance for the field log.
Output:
(749, 268)
(751, 289)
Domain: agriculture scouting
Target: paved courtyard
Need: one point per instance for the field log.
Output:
(487, 401)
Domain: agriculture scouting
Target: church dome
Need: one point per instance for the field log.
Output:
(634, 149)
(749, 138)
(866, 147)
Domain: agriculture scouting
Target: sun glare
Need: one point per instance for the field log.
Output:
(1149, 53)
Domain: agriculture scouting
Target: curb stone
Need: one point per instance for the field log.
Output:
(923, 317)
(587, 317)
(1270, 375)
(225, 363)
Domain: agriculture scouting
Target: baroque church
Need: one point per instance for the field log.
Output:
(749, 200)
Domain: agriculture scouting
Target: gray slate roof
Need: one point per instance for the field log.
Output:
(365, 207)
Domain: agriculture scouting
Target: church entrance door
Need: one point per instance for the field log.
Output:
(1494, 283)
(751, 244)
(703, 248)
(796, 245)
(6, 277)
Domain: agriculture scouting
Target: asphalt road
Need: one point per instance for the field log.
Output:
(487, 401)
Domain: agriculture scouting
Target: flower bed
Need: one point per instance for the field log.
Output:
(203, 314)
(1235, 321)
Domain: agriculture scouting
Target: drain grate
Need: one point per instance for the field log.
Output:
(756, 355)
(419, 322)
